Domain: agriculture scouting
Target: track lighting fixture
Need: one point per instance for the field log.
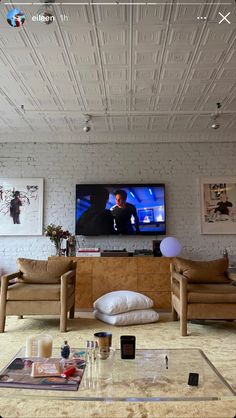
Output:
(86, 127)
(215, 117)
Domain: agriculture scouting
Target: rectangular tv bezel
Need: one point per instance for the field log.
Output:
(120, 185)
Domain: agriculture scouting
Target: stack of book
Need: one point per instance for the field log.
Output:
(88, 252)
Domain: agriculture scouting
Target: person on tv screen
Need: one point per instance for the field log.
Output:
(123, 213)
(96, 220)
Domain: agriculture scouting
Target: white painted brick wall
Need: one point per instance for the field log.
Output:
(179, 166)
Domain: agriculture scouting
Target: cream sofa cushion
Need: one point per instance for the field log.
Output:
(43, 271)
(214, 271)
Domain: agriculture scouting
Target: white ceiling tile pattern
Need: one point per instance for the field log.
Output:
(140, 67)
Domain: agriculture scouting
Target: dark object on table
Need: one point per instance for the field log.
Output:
(127, 343)
(65, 350)
(166, 361)
(17, 364)
(193, 379)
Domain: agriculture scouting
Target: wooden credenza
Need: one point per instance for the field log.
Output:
(96, 276)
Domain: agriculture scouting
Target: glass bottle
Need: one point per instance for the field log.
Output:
(65, 350)
(88, 354)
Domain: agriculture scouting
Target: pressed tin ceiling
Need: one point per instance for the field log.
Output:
(143, 72)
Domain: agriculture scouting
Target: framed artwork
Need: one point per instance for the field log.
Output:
(21, 206)
(218, 205)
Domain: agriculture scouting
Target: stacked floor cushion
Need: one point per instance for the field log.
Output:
(124, 307)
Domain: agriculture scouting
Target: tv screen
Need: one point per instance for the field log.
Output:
(126, 209)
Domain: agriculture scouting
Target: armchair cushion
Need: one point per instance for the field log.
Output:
(208, 293)
(36, 291)
(42, 271)
(214, 271)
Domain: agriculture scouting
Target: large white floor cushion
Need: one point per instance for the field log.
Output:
(122, 301)
(140, 316)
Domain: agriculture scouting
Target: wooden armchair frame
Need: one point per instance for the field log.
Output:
(65, 304)
(180, 304)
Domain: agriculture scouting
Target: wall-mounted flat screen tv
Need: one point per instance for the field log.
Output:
(126, 209)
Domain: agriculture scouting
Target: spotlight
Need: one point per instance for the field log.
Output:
(87, 128)
(215, 116)
(215, 126)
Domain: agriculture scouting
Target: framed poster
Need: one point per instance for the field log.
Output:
(218, 205)
(21, 206)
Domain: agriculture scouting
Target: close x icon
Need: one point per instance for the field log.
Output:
(224, 18)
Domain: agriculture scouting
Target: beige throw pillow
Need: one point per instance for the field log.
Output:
(43, 271)
(214, 271)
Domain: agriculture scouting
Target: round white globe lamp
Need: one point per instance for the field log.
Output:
(170, 247)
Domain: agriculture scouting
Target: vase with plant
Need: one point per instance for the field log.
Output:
(56, 235)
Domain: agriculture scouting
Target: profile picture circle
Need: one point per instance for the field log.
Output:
(15, 17)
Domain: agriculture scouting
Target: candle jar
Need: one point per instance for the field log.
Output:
(31, 346)
(45, 345)
(38, 346)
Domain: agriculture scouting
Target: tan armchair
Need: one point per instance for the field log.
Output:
(202, 290)
(42, 287)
